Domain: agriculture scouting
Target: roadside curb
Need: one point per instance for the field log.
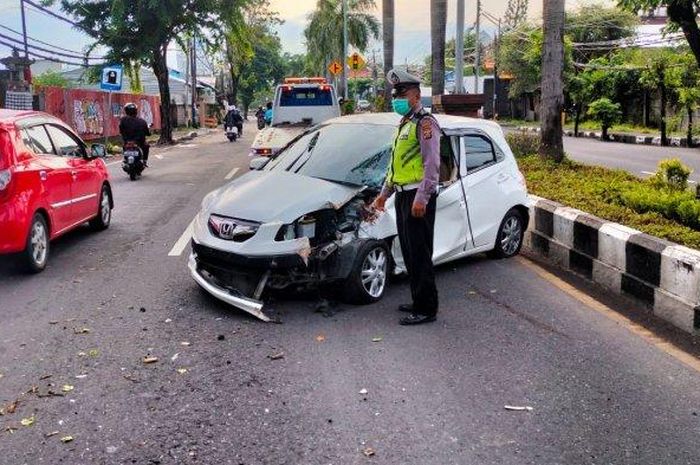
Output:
(664, 276)
(641, 139)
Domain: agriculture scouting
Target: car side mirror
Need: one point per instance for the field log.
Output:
(98, 151)
(258, 163)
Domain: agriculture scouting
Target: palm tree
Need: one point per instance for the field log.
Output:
(438, 23)
(388, 39)
(324, 32)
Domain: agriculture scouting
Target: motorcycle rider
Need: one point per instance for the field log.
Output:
(260, 116)
(268, 114)
(133, 128)
(234, 118)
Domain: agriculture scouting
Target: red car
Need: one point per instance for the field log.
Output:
(50, 182)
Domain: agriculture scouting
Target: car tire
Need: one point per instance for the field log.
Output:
(36, 251)
(510, 235)
(104, 211)
(368, 277)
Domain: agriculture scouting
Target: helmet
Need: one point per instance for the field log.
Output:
(131, 109)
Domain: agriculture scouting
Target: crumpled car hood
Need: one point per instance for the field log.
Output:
(267, 196)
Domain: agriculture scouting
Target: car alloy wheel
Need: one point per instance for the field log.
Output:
(373, 272)
(39, 242)
(511, 235)
(104, 211)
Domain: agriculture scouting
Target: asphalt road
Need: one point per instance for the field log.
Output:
(602, 390)
(640, 160)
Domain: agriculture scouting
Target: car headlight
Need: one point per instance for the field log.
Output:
(303, 227)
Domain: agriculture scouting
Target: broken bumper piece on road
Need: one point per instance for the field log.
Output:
(250, 305)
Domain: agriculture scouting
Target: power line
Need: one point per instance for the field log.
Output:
(44, 57)
(17, 41)
(46, 11)
(48, 44)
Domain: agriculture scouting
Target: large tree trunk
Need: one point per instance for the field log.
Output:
(683, 13)
(662, 123)
(552, 103)
(438, 23)
(160, 69)
(388, 39)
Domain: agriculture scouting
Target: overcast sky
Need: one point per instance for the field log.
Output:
(412, 24)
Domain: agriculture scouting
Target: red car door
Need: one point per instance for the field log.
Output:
(87, 181)
(55, 178)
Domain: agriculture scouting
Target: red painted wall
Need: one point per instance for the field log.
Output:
(88, 112)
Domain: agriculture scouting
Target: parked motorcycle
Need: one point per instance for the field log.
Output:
(232, 133)
(133, 164)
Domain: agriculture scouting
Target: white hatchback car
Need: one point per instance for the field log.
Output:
(301, 218)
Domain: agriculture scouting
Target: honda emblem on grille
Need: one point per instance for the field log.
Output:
(226, 229)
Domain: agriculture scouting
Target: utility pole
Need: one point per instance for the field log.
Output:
(477, 53)
(496, 81)
(193, 67)
(345, 49)
(374, 72)
(552, 103)
(459, 49)
(24, 30)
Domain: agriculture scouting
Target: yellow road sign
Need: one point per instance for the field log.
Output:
(356, 62)
(335, 67)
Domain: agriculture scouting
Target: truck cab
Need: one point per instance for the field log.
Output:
(299, 104)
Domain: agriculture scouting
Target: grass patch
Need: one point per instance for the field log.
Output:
(613, 195)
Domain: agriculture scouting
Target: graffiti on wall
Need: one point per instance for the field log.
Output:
(145, 111)
(88, 117)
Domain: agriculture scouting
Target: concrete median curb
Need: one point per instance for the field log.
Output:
(623, 138)
(664, 276)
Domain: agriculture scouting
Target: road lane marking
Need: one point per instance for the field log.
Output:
(232, 173)
(182, 242)
(662, 344)
(653, 174)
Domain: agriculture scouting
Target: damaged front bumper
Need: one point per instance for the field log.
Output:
(252, 306)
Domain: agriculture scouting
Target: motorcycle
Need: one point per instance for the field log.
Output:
(133, 164)
(232, 133)
(261, 120)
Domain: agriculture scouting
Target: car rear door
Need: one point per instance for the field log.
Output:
(54, 175)
(485, 175)
(87, 181)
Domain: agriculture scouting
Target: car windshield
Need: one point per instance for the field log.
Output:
(355, 154)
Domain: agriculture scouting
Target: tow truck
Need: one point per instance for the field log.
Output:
(299, 104)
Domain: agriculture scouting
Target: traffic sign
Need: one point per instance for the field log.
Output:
(356, 62)
(335, 67)
(112, 78)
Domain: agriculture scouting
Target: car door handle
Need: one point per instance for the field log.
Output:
(43, 176)
(74, 174)
(502, 178)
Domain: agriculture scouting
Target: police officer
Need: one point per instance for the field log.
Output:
(413, 175)
(133, 128)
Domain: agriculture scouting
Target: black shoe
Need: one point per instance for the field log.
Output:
(406, 308)
(416, 319)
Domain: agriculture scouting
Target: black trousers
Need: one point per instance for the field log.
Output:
(416, 239)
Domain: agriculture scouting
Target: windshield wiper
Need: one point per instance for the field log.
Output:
(344, 183)
(309, 149)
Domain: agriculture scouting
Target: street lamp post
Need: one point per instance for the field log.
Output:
(345, 49)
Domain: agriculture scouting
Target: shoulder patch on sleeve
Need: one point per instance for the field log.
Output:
(426, 128)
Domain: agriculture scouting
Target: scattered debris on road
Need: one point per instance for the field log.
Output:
(182, 371)
(81, 330)
(148, 360)
(65, 439)
(52, 433)
(320, 338)
(277, 356)
(368, 451)
(377, 339)
(131, 378)
(220, 337)
(185, 344)
(363, 391)
(67, 388)
(517, 408)
(27, 421)
(174, 357)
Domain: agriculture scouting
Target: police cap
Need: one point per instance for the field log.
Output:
(401, 80)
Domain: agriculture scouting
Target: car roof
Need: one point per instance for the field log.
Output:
(11, 116)
(392, 119)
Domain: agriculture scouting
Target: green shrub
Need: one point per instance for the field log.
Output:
(616, 196)
(523, 143)
(606, 112)
(673, 174)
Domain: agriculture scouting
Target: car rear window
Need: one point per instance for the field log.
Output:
(306, 97)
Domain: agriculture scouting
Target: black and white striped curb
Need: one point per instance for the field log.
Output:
(663, 275)
(622, 138)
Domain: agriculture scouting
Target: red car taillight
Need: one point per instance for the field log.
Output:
(262, 152)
